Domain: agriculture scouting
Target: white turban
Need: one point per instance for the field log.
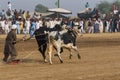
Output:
(14, 26)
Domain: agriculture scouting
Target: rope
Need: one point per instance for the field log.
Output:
(40, 34)
(27, 55)
(31, 53)
(43, 44)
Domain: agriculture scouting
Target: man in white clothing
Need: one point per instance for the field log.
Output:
(52, 24)
(27, 25)
(9, 6)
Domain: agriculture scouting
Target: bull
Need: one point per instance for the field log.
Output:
(63, 39)
(56, 38)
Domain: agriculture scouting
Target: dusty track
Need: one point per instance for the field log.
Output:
(100, 61)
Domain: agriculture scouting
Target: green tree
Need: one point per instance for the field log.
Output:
(104, 7)
(41, 8)
(117, 3)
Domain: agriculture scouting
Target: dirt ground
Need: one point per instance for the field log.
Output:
(100, 60)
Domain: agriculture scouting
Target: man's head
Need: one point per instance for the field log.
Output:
(9, 2)
(14, 27)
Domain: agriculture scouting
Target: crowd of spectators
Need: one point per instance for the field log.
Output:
(27, 23)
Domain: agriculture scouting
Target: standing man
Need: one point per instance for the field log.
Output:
(90, 26)
(9, 6)
(87, 6)
(9, 49)
(32, 27)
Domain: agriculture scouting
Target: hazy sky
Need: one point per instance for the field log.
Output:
(73, 5)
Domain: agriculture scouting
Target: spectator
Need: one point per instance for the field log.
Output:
(96, 26)
(3, 14)
(90, 26)
(27, 25)
(18, 25)
(81, 24)
(40, 22)
(100, 25)
(9, 6)
(87, 6)
(7, 29)
(21, 25)
(32, 27)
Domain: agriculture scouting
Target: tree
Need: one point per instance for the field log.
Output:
(41, 8)
(104, 7)
(117, 3)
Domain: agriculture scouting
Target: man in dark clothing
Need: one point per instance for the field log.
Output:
(9, 49)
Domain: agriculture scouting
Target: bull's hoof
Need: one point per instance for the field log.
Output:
(50, 63)
(45, 61)
(79, 57)
(61, 61)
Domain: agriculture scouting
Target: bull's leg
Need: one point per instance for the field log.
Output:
(76, 49)
(70, 56)
(58, 52)
(42, 49)
(50, 47)
(50, 57)
(61, 50)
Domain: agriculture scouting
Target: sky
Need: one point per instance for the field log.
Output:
(73, 5)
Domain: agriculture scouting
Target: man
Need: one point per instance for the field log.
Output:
(32, 27)
(9, 49)
(87, 6)
(9, 6)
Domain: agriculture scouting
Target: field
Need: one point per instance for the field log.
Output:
(100, 60)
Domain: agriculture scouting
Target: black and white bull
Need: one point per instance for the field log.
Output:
(63, 39)
(56, 38)
(42, 38)
(69, 39)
